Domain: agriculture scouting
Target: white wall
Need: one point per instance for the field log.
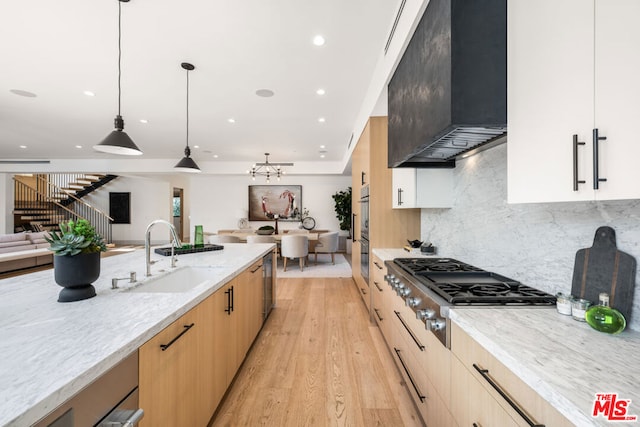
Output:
(533, 243)
(6, 203)
(218, 200)
(150, 199)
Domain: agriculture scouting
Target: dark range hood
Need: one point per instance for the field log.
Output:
(449, 93)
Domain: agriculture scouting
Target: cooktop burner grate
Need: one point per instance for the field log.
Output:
(506, 293)
(420, 266)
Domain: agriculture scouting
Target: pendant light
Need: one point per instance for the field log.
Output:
(187, 164)
(118, 142)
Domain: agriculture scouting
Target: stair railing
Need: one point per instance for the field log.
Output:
(27, 197)
(99, 219)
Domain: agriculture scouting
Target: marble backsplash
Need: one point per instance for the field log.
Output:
(533, 243)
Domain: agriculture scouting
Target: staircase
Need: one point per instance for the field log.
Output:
(42, 201)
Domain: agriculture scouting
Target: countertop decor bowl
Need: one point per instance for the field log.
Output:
(264, 232)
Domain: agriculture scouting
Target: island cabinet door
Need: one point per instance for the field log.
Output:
(169, 374)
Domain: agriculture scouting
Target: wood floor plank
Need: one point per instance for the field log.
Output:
(317, 362)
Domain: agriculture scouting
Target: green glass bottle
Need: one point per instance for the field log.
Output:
(603, 318)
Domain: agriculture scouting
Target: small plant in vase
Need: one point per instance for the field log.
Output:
(76, 261)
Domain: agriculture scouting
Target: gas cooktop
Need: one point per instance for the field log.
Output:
(463, 284)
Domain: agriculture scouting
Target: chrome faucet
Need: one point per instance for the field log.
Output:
(147, 244)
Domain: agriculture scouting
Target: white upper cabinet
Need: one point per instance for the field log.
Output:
(422, 188)
(572, 70)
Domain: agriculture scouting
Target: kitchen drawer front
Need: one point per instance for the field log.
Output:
(433, 410)
(475, 359)
(378, 288)
(434, 357)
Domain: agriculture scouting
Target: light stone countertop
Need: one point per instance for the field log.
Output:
(565, 361)
(52, 350)
(386, 254)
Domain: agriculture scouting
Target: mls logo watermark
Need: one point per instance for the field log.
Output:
(612, 408)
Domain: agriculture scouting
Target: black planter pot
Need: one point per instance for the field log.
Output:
(75, 274)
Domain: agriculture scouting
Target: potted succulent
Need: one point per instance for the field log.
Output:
(76, 261)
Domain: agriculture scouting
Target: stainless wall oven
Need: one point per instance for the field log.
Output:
(364, 233)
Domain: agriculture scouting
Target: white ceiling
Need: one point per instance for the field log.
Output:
(58, 50)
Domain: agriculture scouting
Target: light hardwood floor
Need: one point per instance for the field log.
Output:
(318, 362)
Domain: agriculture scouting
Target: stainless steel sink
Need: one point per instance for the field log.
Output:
(180, 280)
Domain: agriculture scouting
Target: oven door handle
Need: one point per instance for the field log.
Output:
(132, 421)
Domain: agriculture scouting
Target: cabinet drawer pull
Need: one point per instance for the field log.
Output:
(505, 396)
(399, 196)
(377, 265)
(363, 290)
(378, 314)
(420, 346)
(596, 158)
(576, 181)
(476, 425)
(413, 383)
(257, 268)
(184, 331)
(362, 177)
(376, 283)
(228, 294)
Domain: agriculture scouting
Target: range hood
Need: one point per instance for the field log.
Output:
(448, 95)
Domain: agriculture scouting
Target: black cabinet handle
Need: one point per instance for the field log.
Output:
(420, 346)
(421, 396)
(376, 283)
(377, 265)
(362, 177)
(228, 294)
(505, 396)
(475, 425)
(596, 158)
(576, 181)
(184, 331)
(399, 196)
(257, 268)
(353, 227)
(378, 314)
(363, 290)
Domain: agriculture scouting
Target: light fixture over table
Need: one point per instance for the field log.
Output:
(118, 142)
(268, 169)
(187, 164)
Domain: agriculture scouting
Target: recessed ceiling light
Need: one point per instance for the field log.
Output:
(320, 92)
(318, 40)
(323, 146)
(145, 121)
(321, 119)
(196, 146)
(89, 93)
(23, 146)
(24, 93)
(265, 93)
(322, 156)
(231, 120)
(78, 146)
(215, 156)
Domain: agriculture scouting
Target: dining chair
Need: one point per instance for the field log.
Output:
(224, 238)
(260, 239)
(327, 244)
(294, 246)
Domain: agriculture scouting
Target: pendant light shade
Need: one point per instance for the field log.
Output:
(118, 142)
(187, 164)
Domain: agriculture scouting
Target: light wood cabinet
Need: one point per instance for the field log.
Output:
(388, 227)
(169, 368)
(569, 82)
(422, 188)
(477, 376)
(186, 369)
(378, 288)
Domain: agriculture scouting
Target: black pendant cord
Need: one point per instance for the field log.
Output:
(187, 150)
(119, 51)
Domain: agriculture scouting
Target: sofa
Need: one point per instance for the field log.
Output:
(23, 250)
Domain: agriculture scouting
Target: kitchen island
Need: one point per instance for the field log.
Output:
(52, 350)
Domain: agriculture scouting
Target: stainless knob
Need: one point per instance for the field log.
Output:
(404, 292)
(436, 324)
(425, 314)
(412, 301)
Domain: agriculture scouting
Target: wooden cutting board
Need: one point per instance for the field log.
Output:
(603, 268)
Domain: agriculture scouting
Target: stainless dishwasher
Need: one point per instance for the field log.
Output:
(109, 401)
